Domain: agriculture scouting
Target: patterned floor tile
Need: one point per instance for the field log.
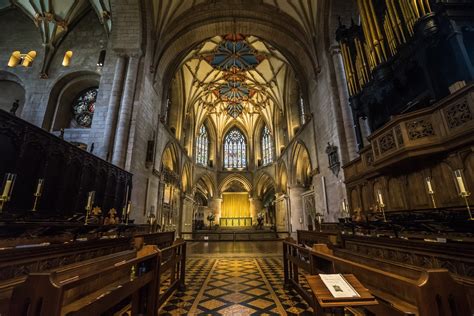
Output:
(235, 286)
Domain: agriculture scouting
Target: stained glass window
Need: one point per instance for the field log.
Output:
(84, 106)
(235, 149)
(202, 146)
(267, 146)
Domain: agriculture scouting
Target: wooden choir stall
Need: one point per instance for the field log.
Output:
(68, 245)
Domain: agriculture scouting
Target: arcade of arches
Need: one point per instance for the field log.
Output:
(347, 123)
(225, 112)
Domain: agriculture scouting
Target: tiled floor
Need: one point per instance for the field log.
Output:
(241, 278)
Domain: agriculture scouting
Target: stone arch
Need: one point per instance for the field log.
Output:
(282, 178)
(235, 177)
(206, 185)
(261, 20)
(170, 157)
(12, 88)
(186, 178)
(263, 183)
(58, 110)
(301, 166)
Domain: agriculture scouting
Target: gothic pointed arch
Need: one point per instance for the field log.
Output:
(301, 166)
(235, 178)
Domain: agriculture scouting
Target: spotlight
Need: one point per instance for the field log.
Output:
(100, 62)
(15, 59)
(28, 58)
(67, 58)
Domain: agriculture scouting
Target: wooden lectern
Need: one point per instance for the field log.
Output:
(323, 298)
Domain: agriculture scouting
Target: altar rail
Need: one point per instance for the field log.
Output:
(235, 236)
(235, 221)
(69, 172)
(133, 284)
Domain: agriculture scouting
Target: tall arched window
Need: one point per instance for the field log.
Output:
(202, 146)
(235, 149)
(267, 146)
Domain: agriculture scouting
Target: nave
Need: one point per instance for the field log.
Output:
(235, 278)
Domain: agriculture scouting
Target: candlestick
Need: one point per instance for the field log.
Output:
(380, 198)
(460, 182)
(430, 190)
(38, 193)
(8, 185)
(463, 192)
(129, 206)
(90, 202)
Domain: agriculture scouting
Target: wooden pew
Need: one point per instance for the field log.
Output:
(16, 263)
(129, 281)
(400, 290)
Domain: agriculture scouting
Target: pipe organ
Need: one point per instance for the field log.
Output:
(403, 55)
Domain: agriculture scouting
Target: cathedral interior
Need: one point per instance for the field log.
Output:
(236, 157)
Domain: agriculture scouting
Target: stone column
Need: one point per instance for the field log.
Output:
(296, 207)
(113, 108)
(125, 115)
(281, 213)
(187, 214)
(215, 207)
(348, 122)
(256, 206)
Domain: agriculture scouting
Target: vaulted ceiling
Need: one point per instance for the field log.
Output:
(303, 11)
(233, 79)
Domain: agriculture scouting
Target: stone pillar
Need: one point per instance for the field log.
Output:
(125, 115)
(215, 205)
(113, 108)
(256, 206)
(348, 122)
(187, 214)
(296, 207)
(281, 212)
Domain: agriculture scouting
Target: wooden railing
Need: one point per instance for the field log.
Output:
(137, 285)
(234, 236)
(235, 221)
(401, 289)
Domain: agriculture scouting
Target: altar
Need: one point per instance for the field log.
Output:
(235, 210)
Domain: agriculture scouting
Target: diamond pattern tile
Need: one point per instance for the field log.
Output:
(235, 286)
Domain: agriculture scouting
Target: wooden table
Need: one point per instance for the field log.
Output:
(323, 298)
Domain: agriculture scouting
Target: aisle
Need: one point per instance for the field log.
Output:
(230, 282)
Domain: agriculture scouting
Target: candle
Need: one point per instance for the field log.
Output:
(39, 187)
(460, 181)
(6, 189)
(428, 184)
(380, 198)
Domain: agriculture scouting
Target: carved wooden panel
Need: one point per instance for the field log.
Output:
(417, 195)
(458, 114)
(396, 194)
(444, 185)
(420, 128)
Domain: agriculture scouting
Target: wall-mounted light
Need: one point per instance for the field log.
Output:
(28, 58)
(100, 62)
(67, 58)
(15, 59)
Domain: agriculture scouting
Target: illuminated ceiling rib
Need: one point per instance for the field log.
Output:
(234, 79)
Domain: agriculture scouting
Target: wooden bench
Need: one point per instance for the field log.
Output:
(131, 281)
(400, 290)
